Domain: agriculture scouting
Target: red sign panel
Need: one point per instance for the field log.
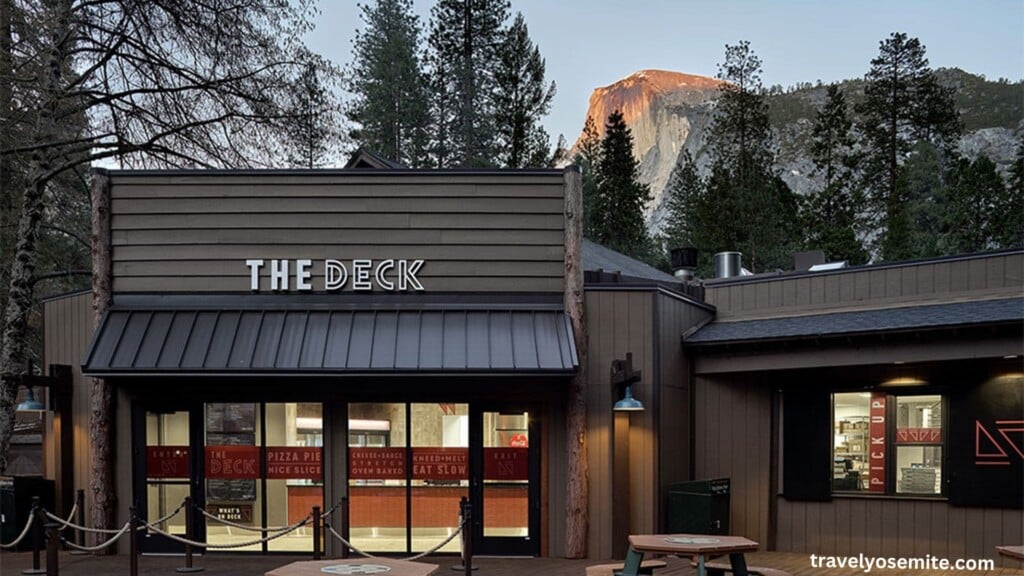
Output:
(294, 462)
(506, 464)
(232, 462)
(876, 444)
(167, 462)
(376, 463)
(919, 435)
(440, 463)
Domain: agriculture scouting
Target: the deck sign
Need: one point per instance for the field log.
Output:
(363, 275)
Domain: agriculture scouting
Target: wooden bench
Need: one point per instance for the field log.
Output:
(716, 568)
(646, 567)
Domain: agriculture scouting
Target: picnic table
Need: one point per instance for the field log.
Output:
(354, 567)
(1012, 551)
(698, 546)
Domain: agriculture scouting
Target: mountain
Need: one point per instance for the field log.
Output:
(670, 111)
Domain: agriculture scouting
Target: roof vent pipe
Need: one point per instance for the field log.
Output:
(684, 263)
(728, 264)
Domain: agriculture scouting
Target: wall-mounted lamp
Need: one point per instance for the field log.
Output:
(623, 376)
(30, 404)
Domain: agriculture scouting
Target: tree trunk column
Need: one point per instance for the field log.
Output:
(577, 515)
(103, 509)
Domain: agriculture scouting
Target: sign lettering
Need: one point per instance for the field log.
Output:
(876, 431)
(285, 462)
(168, 462)
(233, 462)
(388, 275)
(506, 464)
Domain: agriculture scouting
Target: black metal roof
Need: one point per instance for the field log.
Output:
(863, 321)
(317, 341)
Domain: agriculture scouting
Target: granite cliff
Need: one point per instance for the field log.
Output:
(668, 112)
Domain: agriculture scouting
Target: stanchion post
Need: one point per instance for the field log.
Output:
(37, 537)
(80, 520)
(344, 527)
(52, 537)
(316, 532)
(467, 534)
(189, 535)
(133, 542)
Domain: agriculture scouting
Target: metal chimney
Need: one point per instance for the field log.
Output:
(684, 263)
(728, 264)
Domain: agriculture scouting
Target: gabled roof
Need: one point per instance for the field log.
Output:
(597, 257)
(363, 158)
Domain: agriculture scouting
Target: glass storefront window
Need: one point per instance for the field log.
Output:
(506, 500)
(377, 476)
(294, 461)
(878, 437)
(919, 444)
(851, 417)
(440, 472)
(168, 467)
(232, 458)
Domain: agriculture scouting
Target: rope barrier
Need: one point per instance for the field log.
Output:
(70, 516)
(28, 526)
(286, 530)
(67, 524)
(240, 526)
(411, 558)
(165, 518)
(101, 546)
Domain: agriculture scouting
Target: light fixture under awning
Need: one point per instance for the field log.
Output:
(277, 341)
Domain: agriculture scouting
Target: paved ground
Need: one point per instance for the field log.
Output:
(11, 564)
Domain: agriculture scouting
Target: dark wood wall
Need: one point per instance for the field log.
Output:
(732, 439)
(475, 232)
(896, 527)
(994, 275)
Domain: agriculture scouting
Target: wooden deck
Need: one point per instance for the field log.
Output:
(246, 565)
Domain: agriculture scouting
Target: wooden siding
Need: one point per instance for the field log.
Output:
(732, 439)
(67, 329)
(896, 527)
(619, 322)
(475, 232)
(981, 276)
(675, 317)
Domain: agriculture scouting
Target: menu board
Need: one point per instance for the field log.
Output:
(229, 424)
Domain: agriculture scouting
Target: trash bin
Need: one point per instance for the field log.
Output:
(16, 494)
(699, 507)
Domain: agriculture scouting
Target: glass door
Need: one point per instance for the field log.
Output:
(506, 482)
(168, 477)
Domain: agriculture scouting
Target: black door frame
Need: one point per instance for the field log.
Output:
(504, 545)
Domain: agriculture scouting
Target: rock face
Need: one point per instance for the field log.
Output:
(669, 112)
(666, 112)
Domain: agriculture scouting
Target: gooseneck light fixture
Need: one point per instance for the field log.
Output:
(623, 376)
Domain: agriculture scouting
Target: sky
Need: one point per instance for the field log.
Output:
(589, 44)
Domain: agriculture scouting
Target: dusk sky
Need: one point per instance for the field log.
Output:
(588, 44)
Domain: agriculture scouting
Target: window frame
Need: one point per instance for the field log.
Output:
(892, 395)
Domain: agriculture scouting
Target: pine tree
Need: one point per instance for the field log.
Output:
(390, 101)
(977, 208)
(521, 99)
(903, 104)
(684, 196)
(312, 131)
(621, 197)
(745, 206)
(916, 228)
(588, 158)
(463, 45)
(830, 215)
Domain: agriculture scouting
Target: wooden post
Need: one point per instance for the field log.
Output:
(101, 413)
(52, 538)
(577, 515)
(188, 568)
(133, 542)
(37, 537)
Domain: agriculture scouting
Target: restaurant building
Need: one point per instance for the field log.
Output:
(278, 340)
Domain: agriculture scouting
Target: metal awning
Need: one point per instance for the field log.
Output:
(317, 341)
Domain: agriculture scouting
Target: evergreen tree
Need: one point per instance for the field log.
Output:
(465, 36)
(1008, 225)
(977, 210)
(621, 197)
(829, 216)
(312, 132)
(521, 99)
(390, 101)
(588, 158)
(903, 104)
(916, 228)
(683, 197)
(744, 206)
